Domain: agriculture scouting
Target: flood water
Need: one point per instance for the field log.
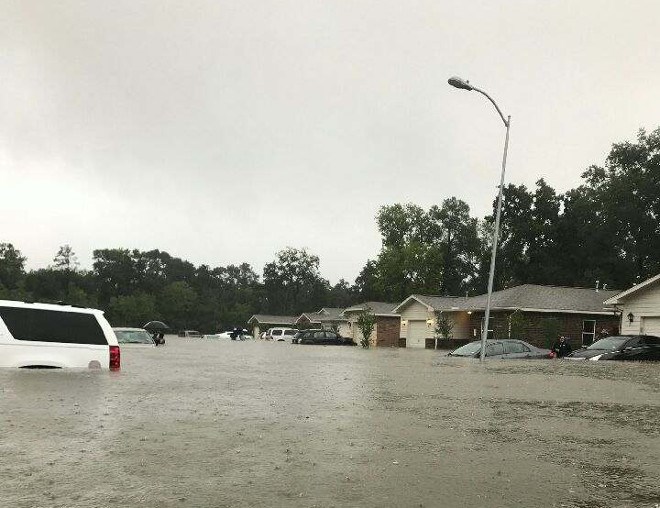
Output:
(245, 424)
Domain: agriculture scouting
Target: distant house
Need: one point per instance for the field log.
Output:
(262, 322)
(388, 323)
(639, 307)
(530, 312)
(328, 318)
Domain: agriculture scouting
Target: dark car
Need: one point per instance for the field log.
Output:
(502, 349)
(621, 347)
(323, 337)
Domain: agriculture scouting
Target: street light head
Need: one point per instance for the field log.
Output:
(457, 82)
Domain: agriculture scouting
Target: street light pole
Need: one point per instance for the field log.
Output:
(465, 85)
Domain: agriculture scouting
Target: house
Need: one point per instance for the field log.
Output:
(262, 322)
(328, 318)
(388, 323)
(535, 313)
(639, 307)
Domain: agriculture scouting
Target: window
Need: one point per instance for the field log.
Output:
(319, 335)
(588, 331)
(514, 347)
(276, 332)
(289, 332)
(52, 326)
(494, 349)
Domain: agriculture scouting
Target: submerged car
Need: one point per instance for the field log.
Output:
(621, 347)
(321, 337)
(41, 335)
(502, 349)
(134, 337)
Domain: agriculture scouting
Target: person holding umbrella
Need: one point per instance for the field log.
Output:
(157, 330)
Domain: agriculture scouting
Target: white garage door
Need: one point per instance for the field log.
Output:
(417, 333)
(651, 325)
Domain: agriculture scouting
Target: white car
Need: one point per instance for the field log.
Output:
(56, 336)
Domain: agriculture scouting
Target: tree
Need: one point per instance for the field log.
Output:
(12, 266)
(132, 310)
(366, 322)
(443, 326)
(292, 282)
(65, 259)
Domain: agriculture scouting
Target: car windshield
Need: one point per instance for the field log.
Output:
(133, 337)
(608, 343)
(468, 350)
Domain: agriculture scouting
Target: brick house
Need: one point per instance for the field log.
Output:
(388, 323)
(537, 314)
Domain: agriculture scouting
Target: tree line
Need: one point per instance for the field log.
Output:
(607, 229)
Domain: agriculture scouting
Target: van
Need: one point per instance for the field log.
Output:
(280, 334)
(56, 336)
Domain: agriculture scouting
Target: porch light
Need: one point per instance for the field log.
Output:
(429, 322)
(469, 312)
(630, 317)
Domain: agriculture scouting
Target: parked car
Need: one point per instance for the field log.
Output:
(323, 337)
(280, 334)
(189, 333)
(134, 337)
(228, 335)
(502, 349)
(56, 336)
(621, 347)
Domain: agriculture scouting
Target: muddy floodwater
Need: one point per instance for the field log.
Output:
(235, 424)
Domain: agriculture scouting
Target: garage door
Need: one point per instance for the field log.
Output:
(418, 330)
(651, 325)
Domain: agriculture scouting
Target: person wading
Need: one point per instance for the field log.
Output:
(561, 348)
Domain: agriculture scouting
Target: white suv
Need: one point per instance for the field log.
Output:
(280, 334)
(51, 335)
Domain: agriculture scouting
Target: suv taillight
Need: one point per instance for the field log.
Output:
(115, 358)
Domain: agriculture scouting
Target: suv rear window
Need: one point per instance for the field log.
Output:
(52, 326)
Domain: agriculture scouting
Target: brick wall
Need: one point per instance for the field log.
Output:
(388, 331)
(537, 325)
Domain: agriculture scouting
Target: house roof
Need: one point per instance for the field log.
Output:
(325, 315)
(271, 320)
(625, 294)
(529, 297)
(378, 308)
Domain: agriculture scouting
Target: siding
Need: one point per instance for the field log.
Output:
(414, 311)
(643, 303)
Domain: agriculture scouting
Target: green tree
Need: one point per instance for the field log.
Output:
(443, 326)
(293, 283)
(176, 304)
(132, 310)
(65, 259)
(12, 266)
(366, 323)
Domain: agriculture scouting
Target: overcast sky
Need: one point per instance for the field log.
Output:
(222, 132)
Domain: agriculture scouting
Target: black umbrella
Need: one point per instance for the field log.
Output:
(156, 326)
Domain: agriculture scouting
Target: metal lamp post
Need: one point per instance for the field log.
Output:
(465, 85)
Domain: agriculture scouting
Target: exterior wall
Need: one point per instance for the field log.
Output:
(644, 303)
(345, 330)
(387, 331)
(413, 311)
(570, 325)
(461, 322)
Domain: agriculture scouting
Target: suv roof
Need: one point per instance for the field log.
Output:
(50, 306)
